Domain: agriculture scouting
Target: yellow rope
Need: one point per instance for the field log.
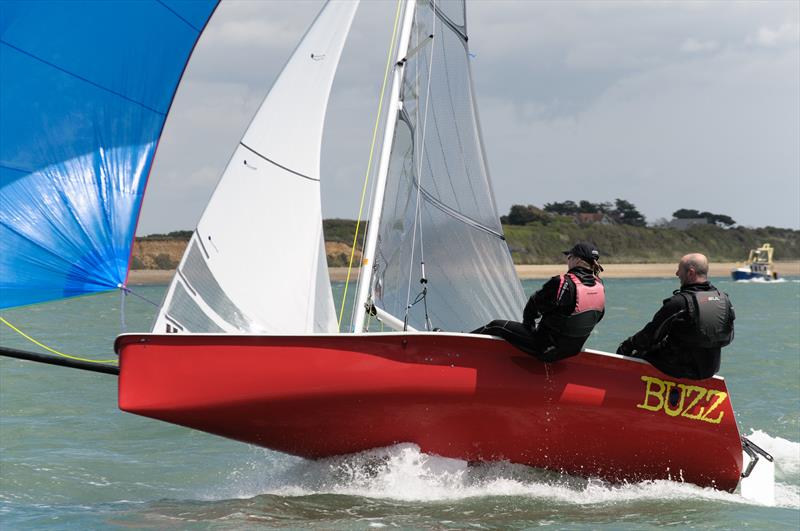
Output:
(389, 62)
(29, 338)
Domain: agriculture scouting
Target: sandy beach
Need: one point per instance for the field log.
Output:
(339, 274)
(722, 269)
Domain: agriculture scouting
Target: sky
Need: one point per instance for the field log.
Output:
(666, 104)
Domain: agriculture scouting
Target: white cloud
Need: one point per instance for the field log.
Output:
(691, 45)
(175, 200)
(578, 100)
(785, 34)
(604, 55)
(260, 25)
(254, 33)
(717, 125)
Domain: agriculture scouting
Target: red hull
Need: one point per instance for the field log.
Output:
(455, 395)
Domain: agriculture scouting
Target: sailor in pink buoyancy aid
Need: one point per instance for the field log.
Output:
(568, 308)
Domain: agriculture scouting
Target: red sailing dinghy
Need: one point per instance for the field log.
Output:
(455, 395)
(246, 345)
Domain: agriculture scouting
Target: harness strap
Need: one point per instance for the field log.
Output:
(562, 288)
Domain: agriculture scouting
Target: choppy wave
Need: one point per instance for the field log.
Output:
(402, 472)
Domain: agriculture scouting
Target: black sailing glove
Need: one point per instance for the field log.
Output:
(626, 348)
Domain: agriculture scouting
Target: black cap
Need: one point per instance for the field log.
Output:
(585, 251)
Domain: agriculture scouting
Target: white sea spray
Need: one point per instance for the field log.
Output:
(403, 473)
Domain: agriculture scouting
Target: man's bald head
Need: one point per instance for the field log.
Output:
(692, 269)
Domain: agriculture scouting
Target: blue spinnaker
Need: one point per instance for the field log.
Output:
(85, 87)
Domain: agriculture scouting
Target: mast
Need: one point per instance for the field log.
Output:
(368, 261)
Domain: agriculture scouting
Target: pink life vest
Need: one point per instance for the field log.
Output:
(587, 298)
(590, 302)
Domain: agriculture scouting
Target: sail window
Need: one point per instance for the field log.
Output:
(185, 310)
(173, 327)
(199, 277)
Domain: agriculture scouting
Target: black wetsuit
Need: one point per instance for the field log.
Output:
(551, 340)
(671, 341)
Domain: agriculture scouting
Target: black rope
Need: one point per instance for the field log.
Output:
(422, 297)
(428, 324)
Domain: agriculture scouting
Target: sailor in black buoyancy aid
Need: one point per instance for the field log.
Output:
(685, 336)
(569, 305)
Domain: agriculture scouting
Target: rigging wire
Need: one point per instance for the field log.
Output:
(124, 292)
(417, 210)
(37, 343)
(129, 291)
(389, 63)
(122, 297)
(371, 197)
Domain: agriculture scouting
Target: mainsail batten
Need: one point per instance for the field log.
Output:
(83, 105)
(262, 229)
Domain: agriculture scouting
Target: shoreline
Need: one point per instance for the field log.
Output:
(525, 272)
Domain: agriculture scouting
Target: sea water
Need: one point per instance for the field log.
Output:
(71, 460)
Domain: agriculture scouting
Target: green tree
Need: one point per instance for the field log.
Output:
(182, 235)
(685, 213)
(626, 213)
(718, 219)
(567, 208)
(725, 221)
(523, 214)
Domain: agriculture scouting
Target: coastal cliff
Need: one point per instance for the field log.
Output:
(542, 244)
(165, 254)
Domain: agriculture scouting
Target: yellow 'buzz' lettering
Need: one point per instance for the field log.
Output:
(701, 392)
(659, 395)
(656, 398)
(721, 396)
(667, 410)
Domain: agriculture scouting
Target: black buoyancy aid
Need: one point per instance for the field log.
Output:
(712, 319)
(590, 303)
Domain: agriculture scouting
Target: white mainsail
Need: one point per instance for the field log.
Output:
(256, 262)
(437, 206)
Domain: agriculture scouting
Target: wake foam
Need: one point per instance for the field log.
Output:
(787, 467)
(785, 452)
(761, 280)
(401, 472)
